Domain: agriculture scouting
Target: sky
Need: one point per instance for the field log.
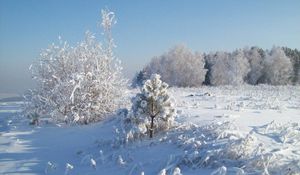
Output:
(144, 29)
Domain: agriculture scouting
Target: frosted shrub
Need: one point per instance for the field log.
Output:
(80, 84)
(221, 144)
(286, 133)
(152, 110)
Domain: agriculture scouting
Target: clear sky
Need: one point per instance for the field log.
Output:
(144, 29)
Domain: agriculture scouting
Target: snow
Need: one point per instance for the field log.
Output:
(220, 130)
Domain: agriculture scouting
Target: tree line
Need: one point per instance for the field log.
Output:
(251, 65)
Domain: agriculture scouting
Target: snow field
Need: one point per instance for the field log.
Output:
(218, 130)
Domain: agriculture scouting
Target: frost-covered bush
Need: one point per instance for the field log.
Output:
(221, 144)
(79, 84)
(286, 133)
(179, 67)
(152, 110)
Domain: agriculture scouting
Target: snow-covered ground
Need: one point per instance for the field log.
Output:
(220, 130)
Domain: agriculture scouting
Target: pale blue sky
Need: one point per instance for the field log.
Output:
(144, 28)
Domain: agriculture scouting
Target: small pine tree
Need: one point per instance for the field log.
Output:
(153, 106)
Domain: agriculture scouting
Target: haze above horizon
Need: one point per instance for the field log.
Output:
(144, 29)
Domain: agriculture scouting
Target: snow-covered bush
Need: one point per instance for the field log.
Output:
(152, 110)
(278, 67)
(79, 84)
(286, 133)
(179, 67)
(219, 144)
